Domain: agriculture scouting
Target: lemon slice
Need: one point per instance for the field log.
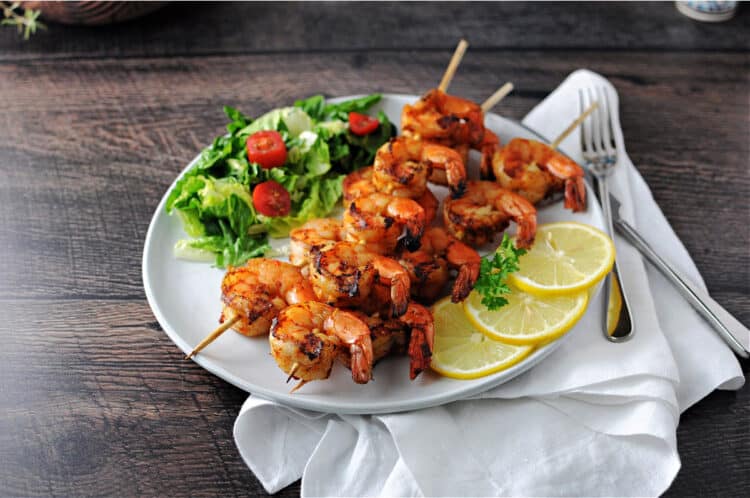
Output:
(527, 319)
(462, 352)
(566, 258)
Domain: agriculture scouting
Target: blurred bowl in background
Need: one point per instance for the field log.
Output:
(92, 13)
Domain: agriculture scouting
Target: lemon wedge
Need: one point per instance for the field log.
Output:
(566, 258)
(527, 319)
(463, 352)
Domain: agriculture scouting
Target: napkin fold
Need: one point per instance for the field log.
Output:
(595, 418)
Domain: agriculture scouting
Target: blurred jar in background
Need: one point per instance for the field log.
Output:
(708, 10)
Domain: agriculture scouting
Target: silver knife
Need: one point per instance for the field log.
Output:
(727, 326)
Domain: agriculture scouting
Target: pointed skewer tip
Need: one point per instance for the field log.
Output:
(300, 384)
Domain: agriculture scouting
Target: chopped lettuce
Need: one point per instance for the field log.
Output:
(214, 198)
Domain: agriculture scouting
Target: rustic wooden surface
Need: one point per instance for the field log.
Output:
(96, 122)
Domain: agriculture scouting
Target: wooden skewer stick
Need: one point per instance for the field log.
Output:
(453, 65)
(300, 384)
(292, 372)
(496, 97)
(575, 124)
(213, 335)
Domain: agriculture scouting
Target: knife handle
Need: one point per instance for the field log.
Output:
(727, 326)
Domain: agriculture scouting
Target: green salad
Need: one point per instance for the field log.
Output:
(271, 174)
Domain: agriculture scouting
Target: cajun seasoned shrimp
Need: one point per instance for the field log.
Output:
(428, 267)
(487, 209)
(403, 165)
(359, 184)
(421, 339)
(489, 146)
(388, 336)
(534, 170)
(306, 338)
(344, 274)
(412, 333)
(451, 121)
(378, 220)
(443, 118)
(314, 234)
(257, 292)
(430, 204)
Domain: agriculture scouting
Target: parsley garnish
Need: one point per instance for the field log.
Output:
(494, 271)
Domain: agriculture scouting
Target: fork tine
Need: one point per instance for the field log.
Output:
(586, 125)
(607, 122)
(596, 124)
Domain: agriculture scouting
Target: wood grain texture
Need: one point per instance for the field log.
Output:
(95, 400)
(97, 122)
(232, 28)
(96, 144)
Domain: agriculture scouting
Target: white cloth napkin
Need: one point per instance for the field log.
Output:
(594, 418)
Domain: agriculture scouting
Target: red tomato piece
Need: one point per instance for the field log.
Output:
(362, 124)
(267, 149)
(271, 199)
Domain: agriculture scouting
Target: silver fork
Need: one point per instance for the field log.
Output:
(600, 152)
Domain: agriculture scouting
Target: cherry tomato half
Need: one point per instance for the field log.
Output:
(266, 148)
(362, 124)
(271, 199)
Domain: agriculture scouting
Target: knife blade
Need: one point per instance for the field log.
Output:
(727, 326)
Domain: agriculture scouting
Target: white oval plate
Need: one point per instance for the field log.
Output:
(184, 297)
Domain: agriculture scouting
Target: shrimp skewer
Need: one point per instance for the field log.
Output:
(345, 274)
(412, 333)
(486, 209)
(313, 236)
(454, 122)
(306, 338)
(403, 166)
(378, 220)
(359, 184)
(252, 296)
(535, 170)
(428, 267)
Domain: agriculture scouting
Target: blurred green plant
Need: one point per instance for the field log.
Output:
(25, 20)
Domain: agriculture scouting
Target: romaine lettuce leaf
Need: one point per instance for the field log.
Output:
(295, 122)
(214, 198)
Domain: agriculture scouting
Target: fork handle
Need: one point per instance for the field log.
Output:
(624, 328)
(727, 326)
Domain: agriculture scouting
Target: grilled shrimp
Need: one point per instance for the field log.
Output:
(359, 184)
(306, 338)
(451, 121)
(257, 292)
(428, 267)
(403, 166)
(534, 170)
(413, 333)
(487, 209)
(388, 336)
(344, 274)
(419, 321)
(378, 219)
(313, 235)
(443, 118)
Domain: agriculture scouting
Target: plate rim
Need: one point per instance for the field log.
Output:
(366, 408)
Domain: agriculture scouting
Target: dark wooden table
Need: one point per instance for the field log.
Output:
(96, 122)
